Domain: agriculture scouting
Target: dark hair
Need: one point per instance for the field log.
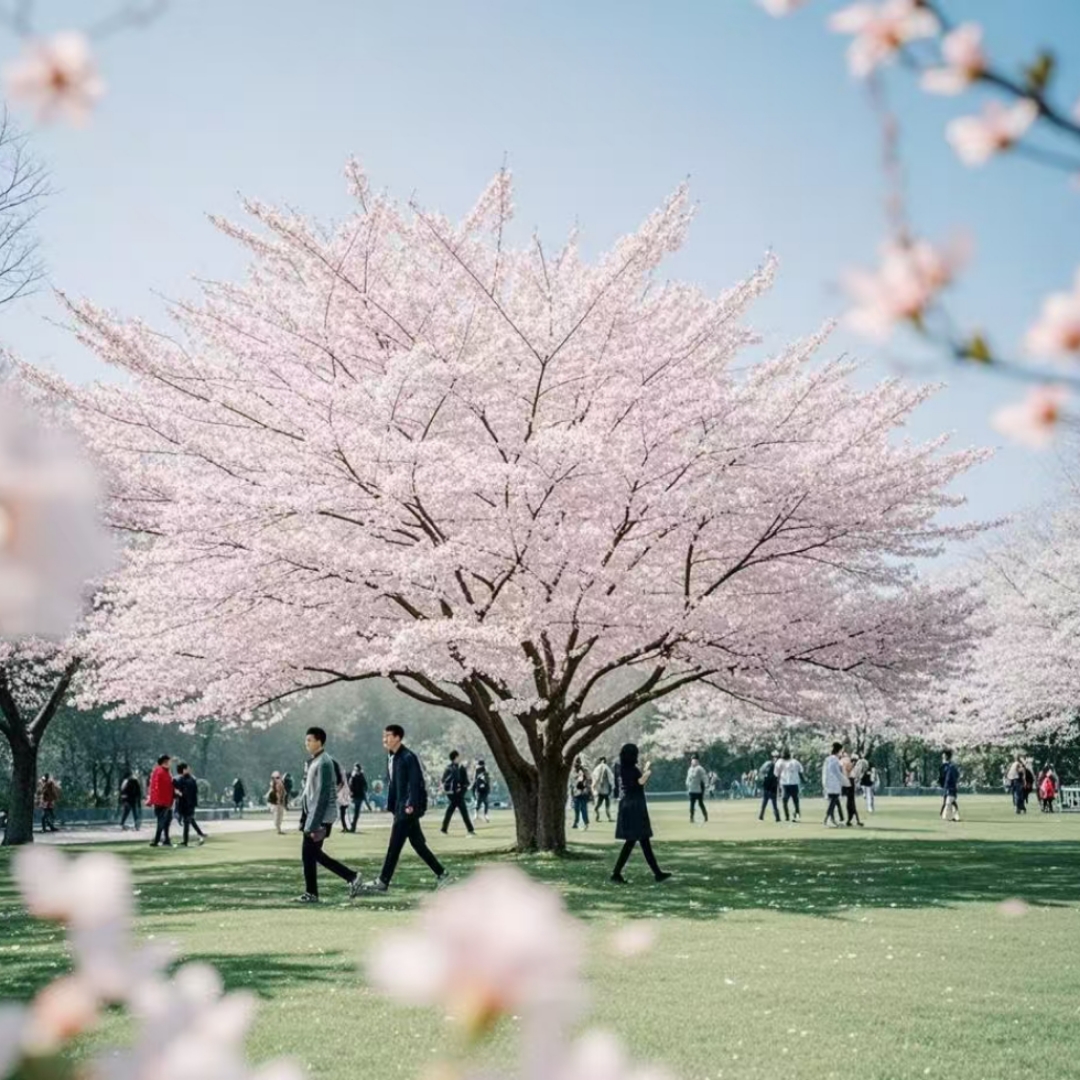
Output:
(628, 756)
(45, 776)
(604, 760)
(837, 747)
(358, 767)
(694, 757)
(479, 762)
(396, 730)
(947, 755)
(317, 733)
(182, 767)
(454, 755)
(164, 757)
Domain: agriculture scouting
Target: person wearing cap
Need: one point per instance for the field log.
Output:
(275, 797)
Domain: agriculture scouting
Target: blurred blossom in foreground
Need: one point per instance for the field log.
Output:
(1056, 332)
(56, 77)
(904, 285)
(1032, 422)
(633, 939)
(1013, 908)
(498, 944)
(600, 1056)
(964, 58)
(778, 8)
(51, 541)
(880, 30)
(976, 139)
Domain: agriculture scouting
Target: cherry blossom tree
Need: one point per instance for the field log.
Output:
(535, 491)
(1022, 114)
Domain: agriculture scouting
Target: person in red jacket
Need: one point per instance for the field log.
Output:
(160, 796)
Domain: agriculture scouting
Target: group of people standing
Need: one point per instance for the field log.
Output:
(1021, 780)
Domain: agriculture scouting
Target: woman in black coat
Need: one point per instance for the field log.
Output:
(633, 826)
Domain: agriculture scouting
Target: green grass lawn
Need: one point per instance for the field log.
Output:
(782, 951)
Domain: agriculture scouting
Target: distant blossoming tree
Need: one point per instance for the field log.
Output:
(537, 492)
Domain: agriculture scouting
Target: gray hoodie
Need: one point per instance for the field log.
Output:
(319, 804)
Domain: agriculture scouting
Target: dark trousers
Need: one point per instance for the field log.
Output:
(791, 792)
(769, 796)
(190, 823)
(834, 807)
(603, 800)
(164, 820)
(407, 827)
(852, 805)
(313, 856)
(48, 819)
(457, 802)
(356, 804)
(481, 803)
(581, 811)
(239, 804)
(132, 809)
(646, 850)
(697, 798)
(342, 811)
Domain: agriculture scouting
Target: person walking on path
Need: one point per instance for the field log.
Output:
(455, 785)
(342, 795)
(697, 781)
(580, 793)
(850, 791)
(950, 780)
(633, 825)
(790, 772)
(275, 799)
(481, 789)
(318, 812)
(48, 796)
(770, 784)
(159, 795)
(131, 801)
(1016, 778)
(1048, 790)
(187, 791)
(239, 794)
(357, 793)
(603, 784)
(287, 781)
(832, 783)
(407, 800)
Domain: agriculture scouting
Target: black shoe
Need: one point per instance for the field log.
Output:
(662, 876)
(618, 879)
(444, 832)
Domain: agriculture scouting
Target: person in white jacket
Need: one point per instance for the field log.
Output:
(697, 781)
(603, 784)
(832, 783)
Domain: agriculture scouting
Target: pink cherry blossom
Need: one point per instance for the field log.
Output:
(1056, 332)
(56, 77)
(779, 8)
(88, 891)
(1032, 422)
(65, 1008)
(633, 939)
(51, 543)
(907, 280)
(880, 30)
(964, 59)
(976, 139)
(597, 1055)
(495, 945)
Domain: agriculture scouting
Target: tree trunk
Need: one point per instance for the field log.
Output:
(20, 823)
(539, 797)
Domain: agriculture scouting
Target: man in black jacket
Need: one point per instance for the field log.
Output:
(357, 792)
(455, 782)
(187, 799)
(406, 799)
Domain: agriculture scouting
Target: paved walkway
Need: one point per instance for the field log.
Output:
(112, 834)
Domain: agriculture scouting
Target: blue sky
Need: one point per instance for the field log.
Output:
(600, 108)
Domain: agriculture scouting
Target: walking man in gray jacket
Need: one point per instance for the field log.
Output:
(318, 812)
(697, 780)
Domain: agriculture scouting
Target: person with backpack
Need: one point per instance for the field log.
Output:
(187, 800)
(130, 801)
(697, 780)
(770, 785)
(357, 793)
(407, 800)
(48, 796)
(848, 765)
(603, 784)
(868, 781)
(481, 789)
(318, 813)
(950, 781)
(1014, 779)
(160, 795)
(275, 799)
(581, 794)
(455, 785)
